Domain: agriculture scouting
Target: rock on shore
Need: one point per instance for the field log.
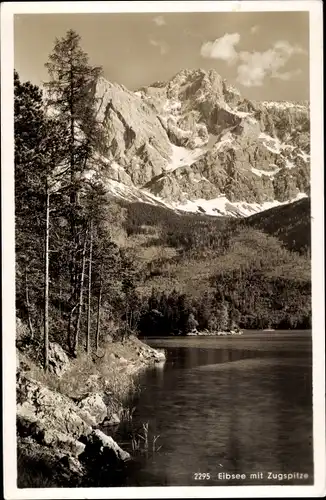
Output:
(52, 428)
(58, 433)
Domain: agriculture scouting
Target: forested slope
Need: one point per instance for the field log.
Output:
(290, 223)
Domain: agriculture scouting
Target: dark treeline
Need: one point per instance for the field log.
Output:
(289, 223)
(178, 314)
(141, 214)
(241, 300)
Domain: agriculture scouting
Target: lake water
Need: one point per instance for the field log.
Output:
(240, 405)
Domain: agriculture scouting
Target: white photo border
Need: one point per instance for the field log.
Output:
(8, 10)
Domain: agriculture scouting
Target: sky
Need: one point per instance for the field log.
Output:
(263, 54)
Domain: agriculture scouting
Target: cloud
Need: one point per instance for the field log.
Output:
(254, 29)
(161, 45)
(253, 67)
(222, 48)
(256, 66)
(287, 75)
(159, 20)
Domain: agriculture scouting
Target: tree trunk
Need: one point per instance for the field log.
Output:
(60, 293)
(28, 306)
(73, 194)
(81, 295)
(72, 134)
(70, 347)
(46, 279)
(98, 314)
(89, 289)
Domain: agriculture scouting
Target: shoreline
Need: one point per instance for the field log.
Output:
(62, 421)
(284, 341)
(59, 441)
(245, 334)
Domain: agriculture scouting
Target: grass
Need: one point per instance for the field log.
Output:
(106, 373)
(143, 443)
(86, 375)
(127, 415)
(30, 475)
(33, 471)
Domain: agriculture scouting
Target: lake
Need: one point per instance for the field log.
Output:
(228, 405)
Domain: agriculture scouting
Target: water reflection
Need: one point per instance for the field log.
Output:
(233, 410)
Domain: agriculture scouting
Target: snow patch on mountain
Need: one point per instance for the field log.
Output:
(133, 194)
(225, 140)
(273, 144)
(283, 105)
(117, 167)
(289, 164)
(221, 206)
(217, 207)
(269, 173)
(304, 156)
(182, 156)
(240, 114)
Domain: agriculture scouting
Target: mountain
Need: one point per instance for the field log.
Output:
(194, 144)
(289, 223)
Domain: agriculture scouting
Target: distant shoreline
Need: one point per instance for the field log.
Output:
(244, 334)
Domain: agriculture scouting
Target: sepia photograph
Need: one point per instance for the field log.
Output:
(166, 299)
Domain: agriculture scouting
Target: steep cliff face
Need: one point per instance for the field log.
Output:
(194, 143)
(136, 139)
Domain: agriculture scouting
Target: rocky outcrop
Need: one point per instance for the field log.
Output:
(62, 441)
(47, 467)
(113, 420)
(287, 121)
(40, 408)
(195, 137)
(104, 447)
(58, 433)
(58, 360)
(148, 354)
(94, 408)
(135, 138)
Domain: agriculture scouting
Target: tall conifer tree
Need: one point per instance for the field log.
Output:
(71, 96)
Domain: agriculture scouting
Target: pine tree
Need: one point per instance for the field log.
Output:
(89, 296)
(204, 311)
(191, 323)
(223, 317)
(38, 156)
(184, 311)
(29, 130)
(105, 263)
(71, 97)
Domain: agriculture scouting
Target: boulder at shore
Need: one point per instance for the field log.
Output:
(94, 408)
(58, 414)
(54, 430)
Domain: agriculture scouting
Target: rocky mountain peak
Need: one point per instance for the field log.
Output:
(194, 143)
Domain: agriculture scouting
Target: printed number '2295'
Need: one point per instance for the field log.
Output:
(200, 476)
